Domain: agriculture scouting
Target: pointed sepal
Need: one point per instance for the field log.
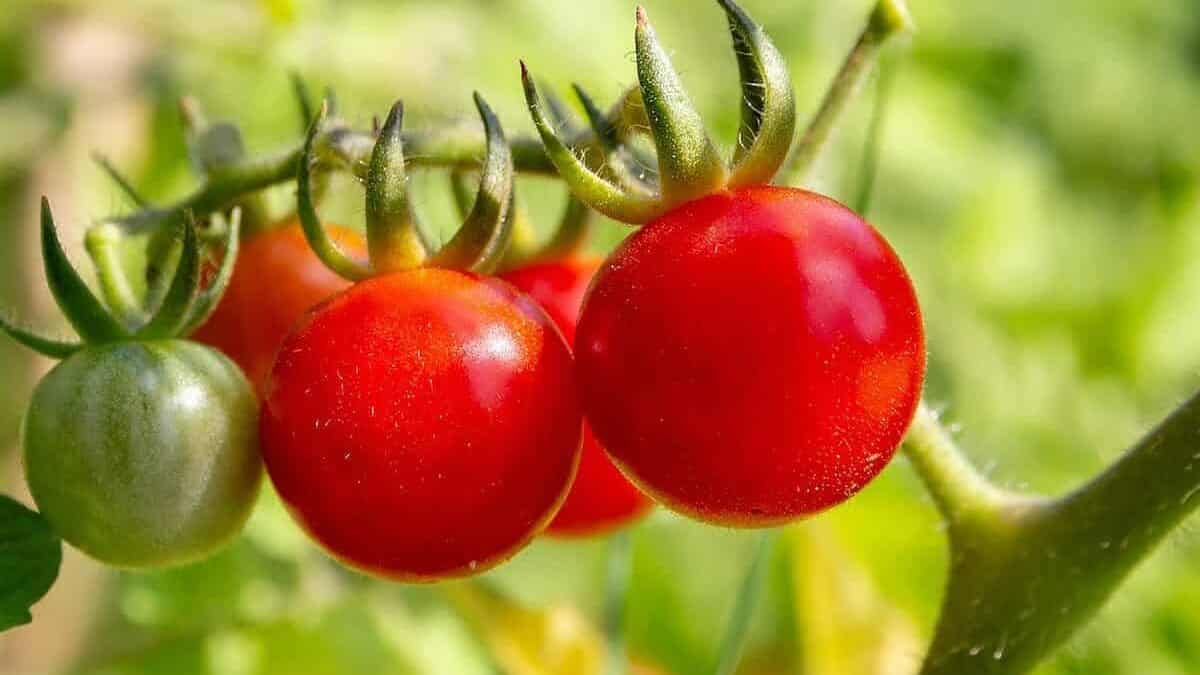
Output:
(392, 238)
(208, 298)
(592, 189)
(564, 121)
(51, 347)
(318, 238)
(498, 250)
(608, 136)
(768, 102)
(462, 191)
(170, 317)
(689, 165)
(86, 314)
(485, 234)
(304, 102)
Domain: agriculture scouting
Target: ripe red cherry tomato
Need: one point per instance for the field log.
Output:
(752, 356)
(601, 498)
(275, 280)
(423, 424)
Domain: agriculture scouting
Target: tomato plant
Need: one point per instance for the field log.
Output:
(601, 498)
(275, 280)
(752, 355)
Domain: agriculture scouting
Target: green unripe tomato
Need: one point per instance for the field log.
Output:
(144, 454)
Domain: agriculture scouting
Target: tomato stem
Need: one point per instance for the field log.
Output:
(888, 19)
(958, 490)
(102, 243)
(871, 149)
(338, 147)
(1027, 571)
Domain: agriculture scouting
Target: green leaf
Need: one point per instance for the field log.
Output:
(30, 554)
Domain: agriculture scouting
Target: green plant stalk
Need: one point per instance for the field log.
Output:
(1026, 572)
(959, 491)
(871, 149)
(888, 19)
(102, 244)
(338, 146)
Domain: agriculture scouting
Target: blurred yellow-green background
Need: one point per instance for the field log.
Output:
(1039, 175)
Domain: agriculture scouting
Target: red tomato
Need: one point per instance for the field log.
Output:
(753, 356)
(276, 278)
(423, 424)
(601, 498)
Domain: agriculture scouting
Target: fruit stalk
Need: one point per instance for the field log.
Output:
(1026, 571)
(888, 19)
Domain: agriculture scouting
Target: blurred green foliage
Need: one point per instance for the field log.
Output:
(1038, 175)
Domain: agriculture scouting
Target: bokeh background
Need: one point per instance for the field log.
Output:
(1038, 175)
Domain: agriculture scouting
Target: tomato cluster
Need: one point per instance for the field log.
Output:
(751, 355)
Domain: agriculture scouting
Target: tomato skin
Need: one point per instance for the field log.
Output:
(423, 424)
(276, 279)
(601, 499)
(144, 454)
(753, 356)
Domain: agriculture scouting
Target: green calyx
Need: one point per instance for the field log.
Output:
(689, 166)
(768, 112)
(607, 154)
(184, 305)
(395, 240)
(688, 163)
(485, 234)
